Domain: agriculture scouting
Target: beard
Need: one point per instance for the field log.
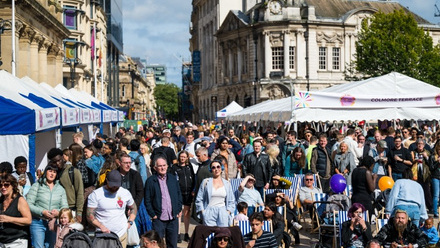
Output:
(400, 227)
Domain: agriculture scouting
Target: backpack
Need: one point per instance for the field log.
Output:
(76, 239)
(106, 240)
(135, 163)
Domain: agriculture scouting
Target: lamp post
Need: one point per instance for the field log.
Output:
(72, 63)
(3, 28)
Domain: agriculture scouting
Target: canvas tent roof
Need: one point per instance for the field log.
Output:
(375, 99)
(22, 111)
(231, 108)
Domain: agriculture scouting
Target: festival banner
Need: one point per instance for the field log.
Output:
(307, 99)
(47, 118)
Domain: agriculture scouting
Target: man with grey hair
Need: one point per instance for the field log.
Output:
(203, 170)
(163, 201)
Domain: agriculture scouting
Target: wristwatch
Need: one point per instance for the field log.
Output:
(130, 222)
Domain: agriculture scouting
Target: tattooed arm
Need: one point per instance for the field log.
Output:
(91, 212)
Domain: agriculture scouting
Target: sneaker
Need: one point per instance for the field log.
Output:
(297, 226)
(179, 238)
(186, 238)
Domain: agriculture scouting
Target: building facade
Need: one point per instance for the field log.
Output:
(136, 88)
(39, 36)
(160, 72)
(84, 65)
(275, 47)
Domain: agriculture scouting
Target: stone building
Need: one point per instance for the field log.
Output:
(39, 36)
(136, 88)
(266, 50)
(85, 49)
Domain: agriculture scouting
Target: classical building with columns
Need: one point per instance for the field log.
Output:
(39, 36)
(136, 88)
(268, 49)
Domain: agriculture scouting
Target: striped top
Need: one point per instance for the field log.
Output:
(266, 240)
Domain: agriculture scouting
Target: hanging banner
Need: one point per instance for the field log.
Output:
(70, 116)
(47, 118)
(307, 99)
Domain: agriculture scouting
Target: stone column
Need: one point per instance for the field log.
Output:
(42, 54)
(24, 55)
(301, 55)
(34, 63)
(51, 64)
(286, 53)
(59, 67)
(267, 55)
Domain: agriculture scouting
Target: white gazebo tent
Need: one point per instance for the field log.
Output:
(392, 96)
(230, 109)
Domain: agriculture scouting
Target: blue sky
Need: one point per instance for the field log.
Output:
(159, 30)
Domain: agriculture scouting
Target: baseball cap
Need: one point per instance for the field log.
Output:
(114, 179)
(382, 143)
(166, 131)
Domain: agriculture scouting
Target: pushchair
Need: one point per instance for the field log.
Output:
(326, 210)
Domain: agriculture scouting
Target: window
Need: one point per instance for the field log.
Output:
(235, 64)
(123, 91)
(244, 63)
(277, 58)
(292, 58)
(70, 17)
(323, 58)
(336, 58)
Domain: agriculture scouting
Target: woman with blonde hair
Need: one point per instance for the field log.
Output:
(273, 151)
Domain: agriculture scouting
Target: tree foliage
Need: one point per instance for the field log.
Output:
(394, 42)
(166, 96)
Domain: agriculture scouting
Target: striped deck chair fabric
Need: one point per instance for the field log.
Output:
(319, 197)
(380, 223)
(348, 191)
(235, 183)
(316, 182)
(209, 240)
(245, 226)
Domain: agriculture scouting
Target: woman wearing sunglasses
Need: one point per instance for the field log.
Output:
(222, 239)
(14, 214)
(215, 199)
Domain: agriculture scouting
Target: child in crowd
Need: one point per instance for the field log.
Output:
(25, 179)
(431, 232)
(66, 224)
(242, 208)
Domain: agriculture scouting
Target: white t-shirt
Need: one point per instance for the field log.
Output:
(110, 208)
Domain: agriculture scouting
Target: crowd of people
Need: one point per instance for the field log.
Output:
(159, 174)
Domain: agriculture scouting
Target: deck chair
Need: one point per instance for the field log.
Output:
(235, 183)
(319, 201)
(380, 223)
(348, 191)
(245, 226)
(300, 182)
(343, 217)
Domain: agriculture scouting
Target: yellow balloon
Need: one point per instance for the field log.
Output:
(385, 183)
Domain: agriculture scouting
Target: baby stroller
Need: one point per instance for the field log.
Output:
(380, 202)
(326, 214)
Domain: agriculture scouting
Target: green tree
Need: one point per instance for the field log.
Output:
(167, 99)
(394, 42)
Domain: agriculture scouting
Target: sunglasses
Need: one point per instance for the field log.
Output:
(216, 167)
(226, 239)
(6, 185)
(308, 179)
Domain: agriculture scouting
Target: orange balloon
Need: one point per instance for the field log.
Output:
(385, 183)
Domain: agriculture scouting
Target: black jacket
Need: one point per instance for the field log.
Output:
(185, 176)
(136, 186)
(153, 196)
(412, 234)
(347, 234)
(251, 164)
